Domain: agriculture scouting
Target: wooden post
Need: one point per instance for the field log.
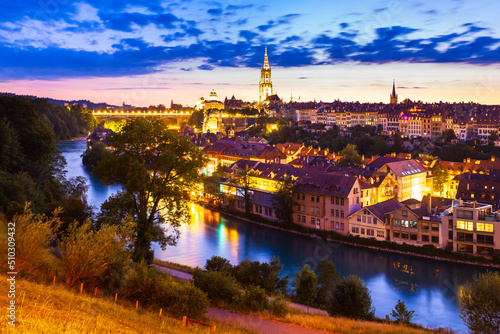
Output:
(136, 304)
(160, 313)
(95, 292)
(212, 328)
(81, 288)
(116, 297)
(54, 281)
(184, 321)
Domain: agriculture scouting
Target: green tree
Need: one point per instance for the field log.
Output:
(449, 135)
(479, 303)
(456, 152)
(401, 314)
(92, 156)
(350, 157)
(196, 119)
(211, 184)
(441, 176)
(244, 179)
(218, 263)
(154, 166)
(328, 277)
(283, 200)
(351, 298)
(304, 285)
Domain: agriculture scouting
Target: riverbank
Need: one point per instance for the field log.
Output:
(417, 251)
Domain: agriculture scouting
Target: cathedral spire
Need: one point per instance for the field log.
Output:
(394, 96)
(266, 60)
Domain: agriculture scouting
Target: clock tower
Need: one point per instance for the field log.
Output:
(265, 84)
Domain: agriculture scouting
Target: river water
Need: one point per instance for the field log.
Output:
(427, 286)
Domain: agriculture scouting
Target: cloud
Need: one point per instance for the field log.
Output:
(215, 11)
(205, 67)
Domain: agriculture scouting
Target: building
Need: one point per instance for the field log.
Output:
(370, 221)
(473, 228)
(394, 96)
(411, 177)
(265, 84)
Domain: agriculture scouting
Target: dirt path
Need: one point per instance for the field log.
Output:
(265, 326)
(261, 325)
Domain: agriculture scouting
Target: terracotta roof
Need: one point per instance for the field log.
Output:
(379, 210)
(381, 161)
(406, 167)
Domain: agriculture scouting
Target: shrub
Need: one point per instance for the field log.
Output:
(266, 275)
(220, 287)
(479, 303)
(157, 291)
(279, 306)
(32, 236)
(87, 254)
(254, 299)
(218, 263)
(351, 298)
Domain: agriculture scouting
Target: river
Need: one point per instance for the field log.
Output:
(427, 286)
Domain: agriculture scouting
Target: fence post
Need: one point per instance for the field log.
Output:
(159, 316)
(54, 281)
(81, 288)
(116, 296)
(184, 321)
(136, 304)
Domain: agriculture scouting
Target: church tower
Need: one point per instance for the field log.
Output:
(394, 96)
(265, 84)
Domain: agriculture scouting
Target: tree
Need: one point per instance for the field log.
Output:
(244, 179)
(350, 157)
(154, 166)
(212, 183)
(479, 303)
(283, 200)
(449, 135)
(401, 314)
(441, 176)
(328, 277)
(351, 298)
(304, 285)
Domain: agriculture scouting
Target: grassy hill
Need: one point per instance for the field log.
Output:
(47, 309)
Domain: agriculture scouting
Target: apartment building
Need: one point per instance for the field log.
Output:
(473, 228)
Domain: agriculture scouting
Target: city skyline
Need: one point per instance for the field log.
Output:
(150, 53)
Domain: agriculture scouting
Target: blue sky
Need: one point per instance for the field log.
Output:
(149, 52)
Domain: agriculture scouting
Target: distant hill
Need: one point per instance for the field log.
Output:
(83, 103)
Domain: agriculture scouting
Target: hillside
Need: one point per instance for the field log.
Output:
(47, 309)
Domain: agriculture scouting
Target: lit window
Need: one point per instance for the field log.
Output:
(464, 225)
(482, 227)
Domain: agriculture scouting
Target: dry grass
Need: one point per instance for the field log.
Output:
(173, 265)
(46, 309)
(343, 325)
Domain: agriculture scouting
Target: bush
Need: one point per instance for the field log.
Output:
(32, 244)
(157, 291)
(279, 306)
(220, 287)
(87, 255)
(351, 298)
(254, 299)
(266, 275)
(217, 263)
(479, 303)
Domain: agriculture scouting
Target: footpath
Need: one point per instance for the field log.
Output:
(261, 325)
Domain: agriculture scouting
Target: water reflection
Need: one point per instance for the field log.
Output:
(427, 286)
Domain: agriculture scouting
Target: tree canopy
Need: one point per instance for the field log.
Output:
(350, 157)
(155, 167)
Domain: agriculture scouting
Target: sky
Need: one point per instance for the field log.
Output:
(147, 52)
